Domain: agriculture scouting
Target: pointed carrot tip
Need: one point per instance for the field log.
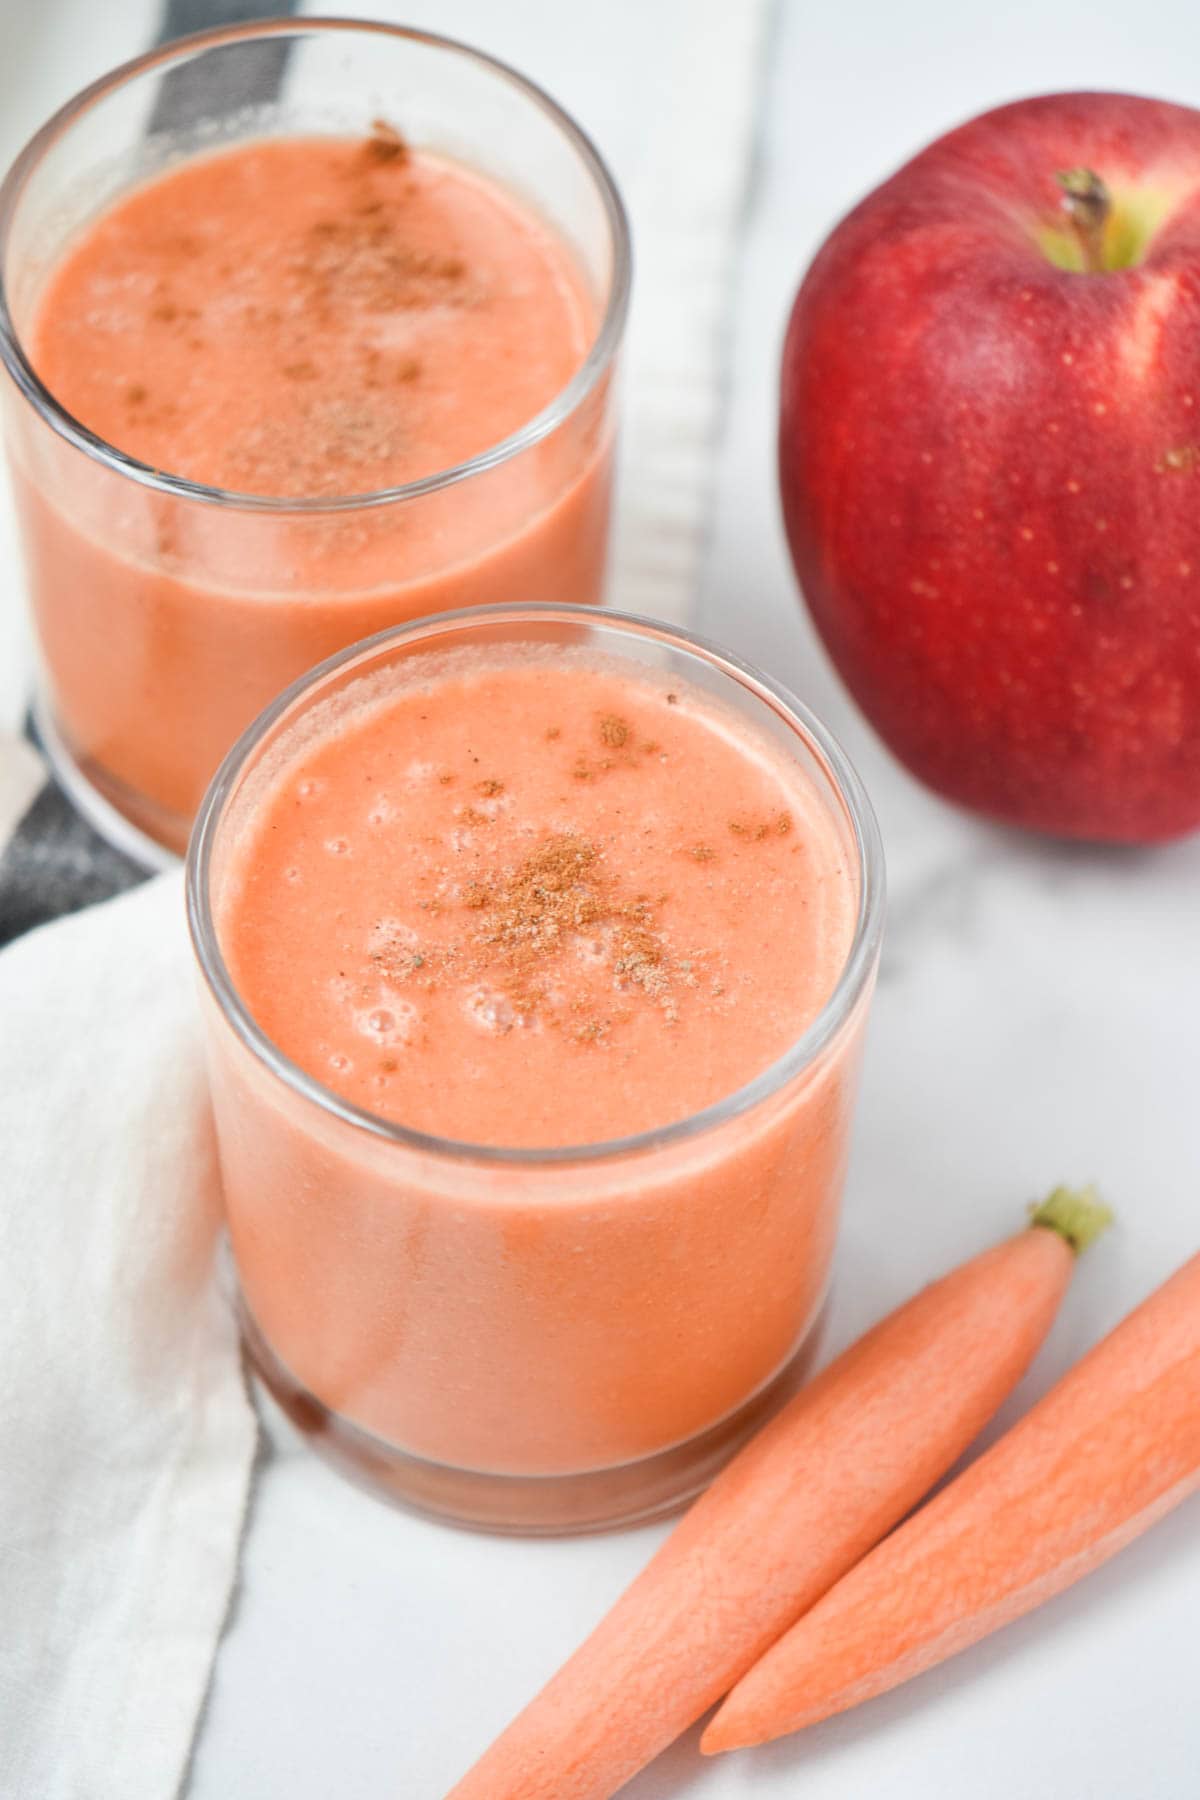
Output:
(726, 1730)
(713, 1740)
(1077, 1214)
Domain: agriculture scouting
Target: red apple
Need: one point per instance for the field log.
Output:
(990, 463)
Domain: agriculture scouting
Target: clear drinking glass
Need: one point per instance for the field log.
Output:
(552, 1339)
(168, 613)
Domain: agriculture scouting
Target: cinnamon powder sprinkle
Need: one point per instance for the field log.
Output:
(561, 889)
(489, 788)
(385, 144)
(367, 262)
(781, 824)
(554, 891)
(614, 731)
(398, 961)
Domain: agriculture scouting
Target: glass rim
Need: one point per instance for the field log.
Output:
(852, 981)
(558, 409)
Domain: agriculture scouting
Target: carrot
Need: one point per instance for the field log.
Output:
(808, 1496)
(1111, 1449)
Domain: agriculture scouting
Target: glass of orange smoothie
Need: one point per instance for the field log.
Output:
(311, 329)
(536, 951)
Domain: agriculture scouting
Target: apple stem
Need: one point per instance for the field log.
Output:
(1087, 204)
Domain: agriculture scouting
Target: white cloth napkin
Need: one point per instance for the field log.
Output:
(127, 1436)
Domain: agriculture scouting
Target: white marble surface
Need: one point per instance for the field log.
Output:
(1035, 1020)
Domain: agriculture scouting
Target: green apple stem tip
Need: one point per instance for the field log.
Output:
(1077, 1214)
(1087, 204)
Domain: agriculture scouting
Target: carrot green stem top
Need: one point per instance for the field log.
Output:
(1077, 1214)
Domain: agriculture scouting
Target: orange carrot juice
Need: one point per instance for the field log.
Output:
(528, 918)
(268, 349)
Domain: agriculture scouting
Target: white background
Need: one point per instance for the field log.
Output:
(1035, 1021)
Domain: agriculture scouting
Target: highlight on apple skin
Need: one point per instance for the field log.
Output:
(990, 463)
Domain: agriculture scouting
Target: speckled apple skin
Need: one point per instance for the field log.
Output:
(990, 472)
